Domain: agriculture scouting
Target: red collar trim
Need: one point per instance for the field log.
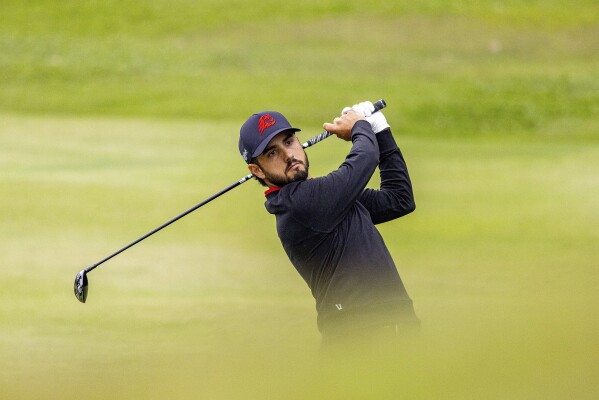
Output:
(272, 190)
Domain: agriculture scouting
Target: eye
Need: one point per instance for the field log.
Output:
(271, 153)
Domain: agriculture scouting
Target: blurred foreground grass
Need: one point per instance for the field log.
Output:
(500, 259)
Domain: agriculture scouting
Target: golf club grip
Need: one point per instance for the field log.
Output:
(379, 105)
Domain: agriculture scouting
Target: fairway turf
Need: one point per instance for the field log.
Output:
(117, 116)
(532, 68)
(498, 258)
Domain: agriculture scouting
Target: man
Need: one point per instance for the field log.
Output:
(327, 224)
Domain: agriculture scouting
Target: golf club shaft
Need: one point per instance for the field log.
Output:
(378, 106)
(178, 217)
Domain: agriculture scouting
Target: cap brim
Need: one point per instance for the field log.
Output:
(266, 141)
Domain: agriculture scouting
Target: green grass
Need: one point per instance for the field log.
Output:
(499, 258)
(117, 116)
(532, 68)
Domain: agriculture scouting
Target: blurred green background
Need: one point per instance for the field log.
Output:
(117, 115)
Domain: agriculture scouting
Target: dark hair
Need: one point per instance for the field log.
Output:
(261, 181)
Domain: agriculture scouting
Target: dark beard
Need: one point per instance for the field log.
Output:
(301, 175)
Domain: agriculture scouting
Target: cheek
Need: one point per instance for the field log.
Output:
(273, 166)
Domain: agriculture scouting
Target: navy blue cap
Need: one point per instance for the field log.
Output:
(258, 130)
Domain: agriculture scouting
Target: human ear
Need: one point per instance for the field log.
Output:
(256, 171)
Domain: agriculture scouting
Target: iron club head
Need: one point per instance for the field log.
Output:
(81, 286)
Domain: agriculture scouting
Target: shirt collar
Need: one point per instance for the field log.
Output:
(272, 190)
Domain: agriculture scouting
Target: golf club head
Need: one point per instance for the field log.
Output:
(81, 286)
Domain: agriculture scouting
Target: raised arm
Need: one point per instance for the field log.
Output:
(323, 202)
(395, 197)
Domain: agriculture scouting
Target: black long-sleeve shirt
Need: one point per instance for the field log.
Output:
(326, 226)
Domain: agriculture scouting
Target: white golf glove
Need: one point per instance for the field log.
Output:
(377, 120)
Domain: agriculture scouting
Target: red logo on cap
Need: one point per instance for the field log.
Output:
(264, 122)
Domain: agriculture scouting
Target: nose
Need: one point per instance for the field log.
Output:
(289, 155)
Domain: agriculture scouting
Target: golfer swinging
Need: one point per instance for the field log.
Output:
(327, 224)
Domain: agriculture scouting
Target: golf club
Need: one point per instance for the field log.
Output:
(81, 282)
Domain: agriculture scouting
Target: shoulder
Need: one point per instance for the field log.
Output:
(301, 198)
(285, 198)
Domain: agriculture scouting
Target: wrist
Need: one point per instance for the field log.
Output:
(361, 127)
(386, 140)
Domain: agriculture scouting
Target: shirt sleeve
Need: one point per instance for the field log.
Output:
(395, 197)
(322, 202)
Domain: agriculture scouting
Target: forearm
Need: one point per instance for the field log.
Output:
(392, 166)
(395, 197)
(347, 183)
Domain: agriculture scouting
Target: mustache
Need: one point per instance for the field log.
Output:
(293, 161)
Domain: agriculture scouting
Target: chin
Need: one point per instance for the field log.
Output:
(301, 175)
